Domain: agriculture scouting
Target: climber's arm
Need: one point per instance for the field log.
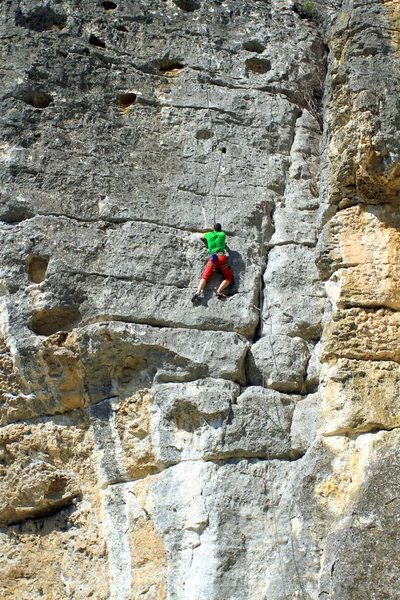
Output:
(202, 235)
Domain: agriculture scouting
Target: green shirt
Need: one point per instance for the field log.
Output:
(215, 241)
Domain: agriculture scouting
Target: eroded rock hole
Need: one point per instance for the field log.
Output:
(95, 41)
(125, 101)
(186, 417)
(109, 5)
(131, 367)
(50, 320)
(122, 28)
(187, 5)
(16, 215)
(169, 67)
(258, 65)
(37, 99)
(204, 134)
(306, 9)
(253, 46)
(42, 18)
(36, 268)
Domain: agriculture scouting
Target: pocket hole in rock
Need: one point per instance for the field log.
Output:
(42, 18)
(187, 5)
(51, 320)
(169, 67)
(131, 367)
(122, 28)
(109, 5)
(37, 99)
(95, 41)
(204, 134)
(258, 65)
(36, 267)
(223, 150)
(253, 46)
(16, 214)
(186, 417)
(125, 101)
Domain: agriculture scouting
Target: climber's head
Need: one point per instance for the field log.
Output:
(217, 227)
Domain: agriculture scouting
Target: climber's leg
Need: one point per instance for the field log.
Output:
(208, 271)
(223, 285)
(199, 292)
(223, 264)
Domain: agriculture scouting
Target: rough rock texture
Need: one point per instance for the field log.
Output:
(248, 448)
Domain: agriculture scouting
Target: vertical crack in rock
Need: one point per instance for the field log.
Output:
(110, 461)
(117, 526)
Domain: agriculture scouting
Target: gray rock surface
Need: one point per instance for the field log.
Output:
(279, 362)
(154, 449)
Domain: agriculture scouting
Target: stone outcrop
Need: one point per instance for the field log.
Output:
(244, 448)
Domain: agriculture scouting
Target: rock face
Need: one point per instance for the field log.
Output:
(246, 448)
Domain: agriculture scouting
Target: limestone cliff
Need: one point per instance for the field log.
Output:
(238, 449)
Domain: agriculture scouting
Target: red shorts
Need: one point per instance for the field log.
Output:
(222, 264)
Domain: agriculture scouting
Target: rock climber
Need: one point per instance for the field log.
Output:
(217, 259)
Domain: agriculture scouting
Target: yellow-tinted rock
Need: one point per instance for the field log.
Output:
(366, 251)
(40, 469)
(349, 458)
(363, 334)
(361, 343)
(394, 13)
(9, 383)
(359, 396)
(61, 356)
(149, 561)
(376, 183)
(133, 423)
(57, 520)
(56, 557)
(48, 482)
(50, 382)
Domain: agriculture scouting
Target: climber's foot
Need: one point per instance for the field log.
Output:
(197, 296)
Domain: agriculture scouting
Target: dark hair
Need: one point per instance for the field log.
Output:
(217, 227)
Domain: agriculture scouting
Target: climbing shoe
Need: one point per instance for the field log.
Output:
(221, 295)
(197, 296)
